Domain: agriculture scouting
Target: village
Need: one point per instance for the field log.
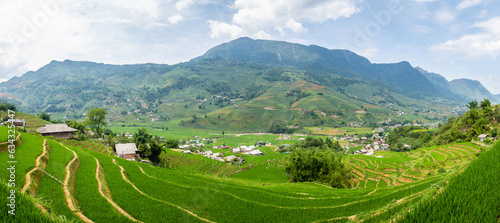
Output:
(363, 144)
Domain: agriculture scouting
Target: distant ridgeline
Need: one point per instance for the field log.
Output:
(245, 84)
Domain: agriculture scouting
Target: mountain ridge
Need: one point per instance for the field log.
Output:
(468, 89)
(279, 82)
(342, 62)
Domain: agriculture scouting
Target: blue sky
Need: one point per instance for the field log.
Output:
(457, 39)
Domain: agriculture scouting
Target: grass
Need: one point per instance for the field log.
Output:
(32, 122)
(193, 185)
(26, 211)
(133, 202)
(338, 131)
(51, 191)
(263, 173)
(25, 155)
(470, 197)
(4, 136)
(91, 203)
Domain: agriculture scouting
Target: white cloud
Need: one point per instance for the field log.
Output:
(468, 3)
(265, 16)
(220, 29)
(295, 26)
(444, 16)
(183, 4)
(32, 33)
(368, 52)
(492, 26)
(483, 44)
(175, 19)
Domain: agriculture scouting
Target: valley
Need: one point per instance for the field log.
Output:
(195, 188)
(250, 131)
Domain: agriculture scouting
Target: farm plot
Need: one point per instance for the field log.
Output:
(281, 204)
(194, 163)
(50, 190)
(139, 206)
(468, 197)
(25, 156)
(91, 202)
(222, 194)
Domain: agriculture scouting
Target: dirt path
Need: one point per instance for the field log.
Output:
(382, 162)
(433, 160)
(100, 186)
(369, 160)
(405, 180)
(27, 182)
(137, 189)
(355, 167)
(447, 152)
(414, 177)
(69, 199)
(461, 149)
(354, 158)
(387, 181)
(444, 154)
(469, 147)
(338, 218)
(399, 164)
(372, 191)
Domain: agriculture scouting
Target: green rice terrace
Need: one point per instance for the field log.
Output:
(69, 181)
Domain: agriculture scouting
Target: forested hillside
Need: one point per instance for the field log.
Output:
(243, 84)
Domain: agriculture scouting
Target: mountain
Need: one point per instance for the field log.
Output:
(243, 84)
(401, 76)
(436, 79)
(466, 88)
(442, 85)
(473, 89)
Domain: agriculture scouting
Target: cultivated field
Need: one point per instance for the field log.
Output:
(83, 182)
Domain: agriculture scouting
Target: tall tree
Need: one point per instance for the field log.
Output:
(156, 150)
(472, 105)
(486, 103)
(77, 125)
(96, 119)
(44, 116)
(141, 137)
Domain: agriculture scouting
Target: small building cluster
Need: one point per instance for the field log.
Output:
(284, 137)
(218, 156)
(249, 150)
(194, 143)
(377, 143)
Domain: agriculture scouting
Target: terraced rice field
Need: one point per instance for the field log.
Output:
(77, 181)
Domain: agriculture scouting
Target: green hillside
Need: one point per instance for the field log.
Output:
(470, 197)
(482, 118)
(32, 121)
(193, 188)
(238, 85)
(401, 76)
(464, 89)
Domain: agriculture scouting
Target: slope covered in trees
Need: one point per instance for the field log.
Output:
(482, 118)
